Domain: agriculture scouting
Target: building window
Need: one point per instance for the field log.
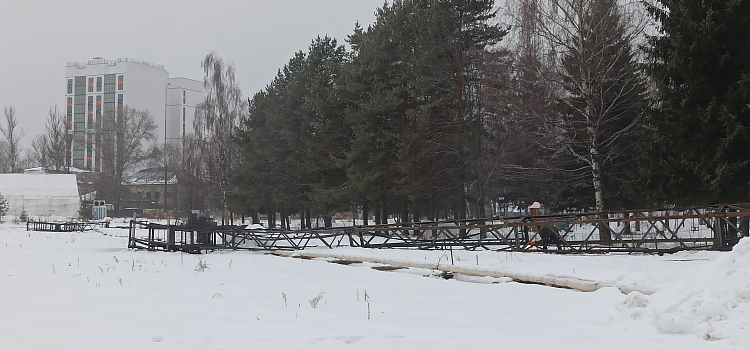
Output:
(80, 86)
(91, 84)
(109, 83)
(69, 115)
(90, 112)
(183, 97)
(120, 82)
(156, 196)
(119, 103)
(70, 86)
(148, 195)
(98, 84)
(78, 156)
(98, 106)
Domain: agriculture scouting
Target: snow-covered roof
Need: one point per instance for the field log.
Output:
(152, 176)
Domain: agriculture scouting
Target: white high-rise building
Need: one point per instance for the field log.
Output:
(98, 89)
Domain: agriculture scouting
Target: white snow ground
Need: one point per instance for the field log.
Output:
(87, 291)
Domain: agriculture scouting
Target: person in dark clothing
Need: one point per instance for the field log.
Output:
(547, 233)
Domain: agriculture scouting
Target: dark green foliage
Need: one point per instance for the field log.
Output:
(84, 211)
(395, 123)
(701, 68)
(24, 216)
(4, 206)
(415, 112)
(293, 135)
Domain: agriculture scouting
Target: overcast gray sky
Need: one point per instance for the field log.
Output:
(38, 38)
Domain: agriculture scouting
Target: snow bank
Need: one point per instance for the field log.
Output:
(549, 279)
(711, 301)
(85, 290)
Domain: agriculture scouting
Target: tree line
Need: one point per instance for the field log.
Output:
(452, 109)
(441, 110)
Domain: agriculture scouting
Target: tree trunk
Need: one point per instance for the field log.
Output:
(365, 211)
(308, 219)
(384, 217)
(415, 212)
(462, 215)
(378, 219)
(404, 210)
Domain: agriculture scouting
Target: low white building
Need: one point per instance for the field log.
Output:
(41, 195)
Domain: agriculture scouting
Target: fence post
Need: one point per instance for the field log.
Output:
(718, 233)
(170, 238)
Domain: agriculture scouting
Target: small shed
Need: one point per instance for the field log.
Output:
(42, 195)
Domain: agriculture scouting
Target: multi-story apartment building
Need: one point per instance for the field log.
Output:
(99, 89)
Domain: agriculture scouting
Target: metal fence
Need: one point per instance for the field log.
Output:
(663, 230)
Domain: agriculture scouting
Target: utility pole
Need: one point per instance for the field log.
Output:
(164, 154)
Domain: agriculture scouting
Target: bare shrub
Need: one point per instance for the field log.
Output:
(314, 301)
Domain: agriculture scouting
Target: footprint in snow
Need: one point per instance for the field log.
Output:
(157, 338)
(349, 340)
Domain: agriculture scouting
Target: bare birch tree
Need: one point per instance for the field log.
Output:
(601, 87)
(215, 121)
(13, 136)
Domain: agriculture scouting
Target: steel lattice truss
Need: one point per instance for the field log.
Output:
(664, 230)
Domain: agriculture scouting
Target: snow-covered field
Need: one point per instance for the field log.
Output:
(88, 291)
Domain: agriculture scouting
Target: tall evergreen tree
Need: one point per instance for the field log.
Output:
(326, 134)
(377, 80)
(701, 69)
(415, 75)
(294, 134)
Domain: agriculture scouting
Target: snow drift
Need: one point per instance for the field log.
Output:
(711, 301)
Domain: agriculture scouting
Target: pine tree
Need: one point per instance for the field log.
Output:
(293, 136)
(700, 66)
(416, 121)
(377, 80)
(326, 134)
(4, 206)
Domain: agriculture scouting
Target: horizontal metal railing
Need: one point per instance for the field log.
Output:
(661, 230)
